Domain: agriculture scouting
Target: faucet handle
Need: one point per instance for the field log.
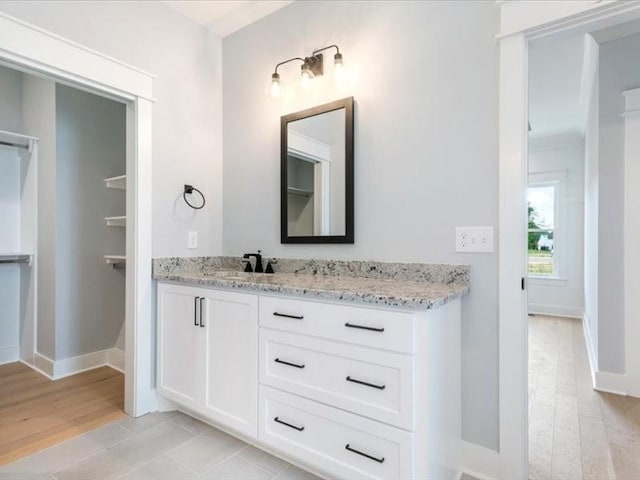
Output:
(247, 266)
(270, 264)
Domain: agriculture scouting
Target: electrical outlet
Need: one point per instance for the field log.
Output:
(474, 239)
(192, 241)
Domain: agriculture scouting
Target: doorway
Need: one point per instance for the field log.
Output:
(30, 49)
(548, 22)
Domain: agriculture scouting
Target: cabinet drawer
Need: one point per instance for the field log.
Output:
(340, 443)
(376, 384)
(385, 329)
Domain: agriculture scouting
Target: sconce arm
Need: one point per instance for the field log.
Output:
(287, 61)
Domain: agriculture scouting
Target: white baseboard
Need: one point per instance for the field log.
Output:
(43, 364)
(591, 353)
(479, 462)
(115, 359)
(602, 381)
(9, 354)
(611, 382)
(57, 369)
(554, 310)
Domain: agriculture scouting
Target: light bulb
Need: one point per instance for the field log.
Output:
(338, 67)
(307, 75)
(275, 85)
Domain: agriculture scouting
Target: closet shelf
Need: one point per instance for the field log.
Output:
(119, 183)
(116, 221)
(299, 191)
(115, 259)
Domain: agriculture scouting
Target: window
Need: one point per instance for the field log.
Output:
(541, 238)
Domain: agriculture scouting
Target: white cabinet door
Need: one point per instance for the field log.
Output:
(180, 345)
(231, 387)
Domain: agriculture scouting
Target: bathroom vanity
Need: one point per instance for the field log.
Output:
(348, 375)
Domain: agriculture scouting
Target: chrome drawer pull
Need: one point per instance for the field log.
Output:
(370, 457)
(364, 327)
(296, 317)
(277, 360)
(276, 419)
(360, 382)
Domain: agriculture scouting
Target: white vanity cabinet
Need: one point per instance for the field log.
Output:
(350, 391)
(208, 354)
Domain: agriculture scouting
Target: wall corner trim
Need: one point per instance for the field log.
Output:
(479, 462)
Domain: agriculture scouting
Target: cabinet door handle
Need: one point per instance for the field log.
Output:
(195, 311)
(370, 457)
(296, 317)
(276, 419)
(366, 384)
(201, 300)
(297, 365)
(364, 327)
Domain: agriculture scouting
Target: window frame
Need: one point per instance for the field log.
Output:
(557, 180)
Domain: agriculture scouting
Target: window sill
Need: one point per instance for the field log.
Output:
(544, 279)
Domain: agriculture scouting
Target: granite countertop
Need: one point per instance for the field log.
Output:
(408, 286)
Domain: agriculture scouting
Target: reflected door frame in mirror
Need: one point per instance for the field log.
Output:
(348, 105)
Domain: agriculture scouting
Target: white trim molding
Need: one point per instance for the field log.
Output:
(631, 245)
(9, 354)
(57, 369)
(554, 310)
(30, 48)
(479, 462)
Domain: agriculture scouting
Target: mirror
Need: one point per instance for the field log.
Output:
(317, 174)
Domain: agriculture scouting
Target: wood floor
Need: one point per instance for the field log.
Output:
(36, 413)
(574, 431)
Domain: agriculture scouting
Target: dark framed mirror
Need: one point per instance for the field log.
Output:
(316, 172)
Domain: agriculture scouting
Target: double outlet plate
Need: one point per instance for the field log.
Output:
(474, 239)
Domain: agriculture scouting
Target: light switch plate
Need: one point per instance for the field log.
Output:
(192, 241)
(474, 239)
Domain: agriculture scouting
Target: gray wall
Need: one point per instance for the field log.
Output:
(187, 128)
(619, 71)
(90, 296)
(10, 100)
(38, 116)
(410, 70)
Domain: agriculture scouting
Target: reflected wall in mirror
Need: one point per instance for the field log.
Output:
(317, 174)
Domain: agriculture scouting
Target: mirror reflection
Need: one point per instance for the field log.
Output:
(316, 175)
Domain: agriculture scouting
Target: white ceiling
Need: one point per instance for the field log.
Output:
(226, 16)
(555, 86)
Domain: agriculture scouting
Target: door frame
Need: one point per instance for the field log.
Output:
(31, 49)
(521, 22)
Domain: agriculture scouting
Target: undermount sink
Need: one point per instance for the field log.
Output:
(234, 275)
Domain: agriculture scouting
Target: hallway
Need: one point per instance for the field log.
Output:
(574, 431)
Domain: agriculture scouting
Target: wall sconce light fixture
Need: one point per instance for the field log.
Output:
(311, 67)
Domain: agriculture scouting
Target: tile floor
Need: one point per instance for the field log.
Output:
(574, 431)
(159, 446)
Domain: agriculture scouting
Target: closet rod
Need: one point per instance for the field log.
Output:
(16, 145)
(15, 260)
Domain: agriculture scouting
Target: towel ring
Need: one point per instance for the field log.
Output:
(190, 189)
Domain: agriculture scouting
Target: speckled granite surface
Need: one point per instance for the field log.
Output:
(403, 285)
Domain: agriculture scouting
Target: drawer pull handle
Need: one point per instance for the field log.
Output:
(370, 457)
(296, 317)
(276, 419)
(277, 360)
(364, 327)
(367, 384)
(195, 310)
(201, 300)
